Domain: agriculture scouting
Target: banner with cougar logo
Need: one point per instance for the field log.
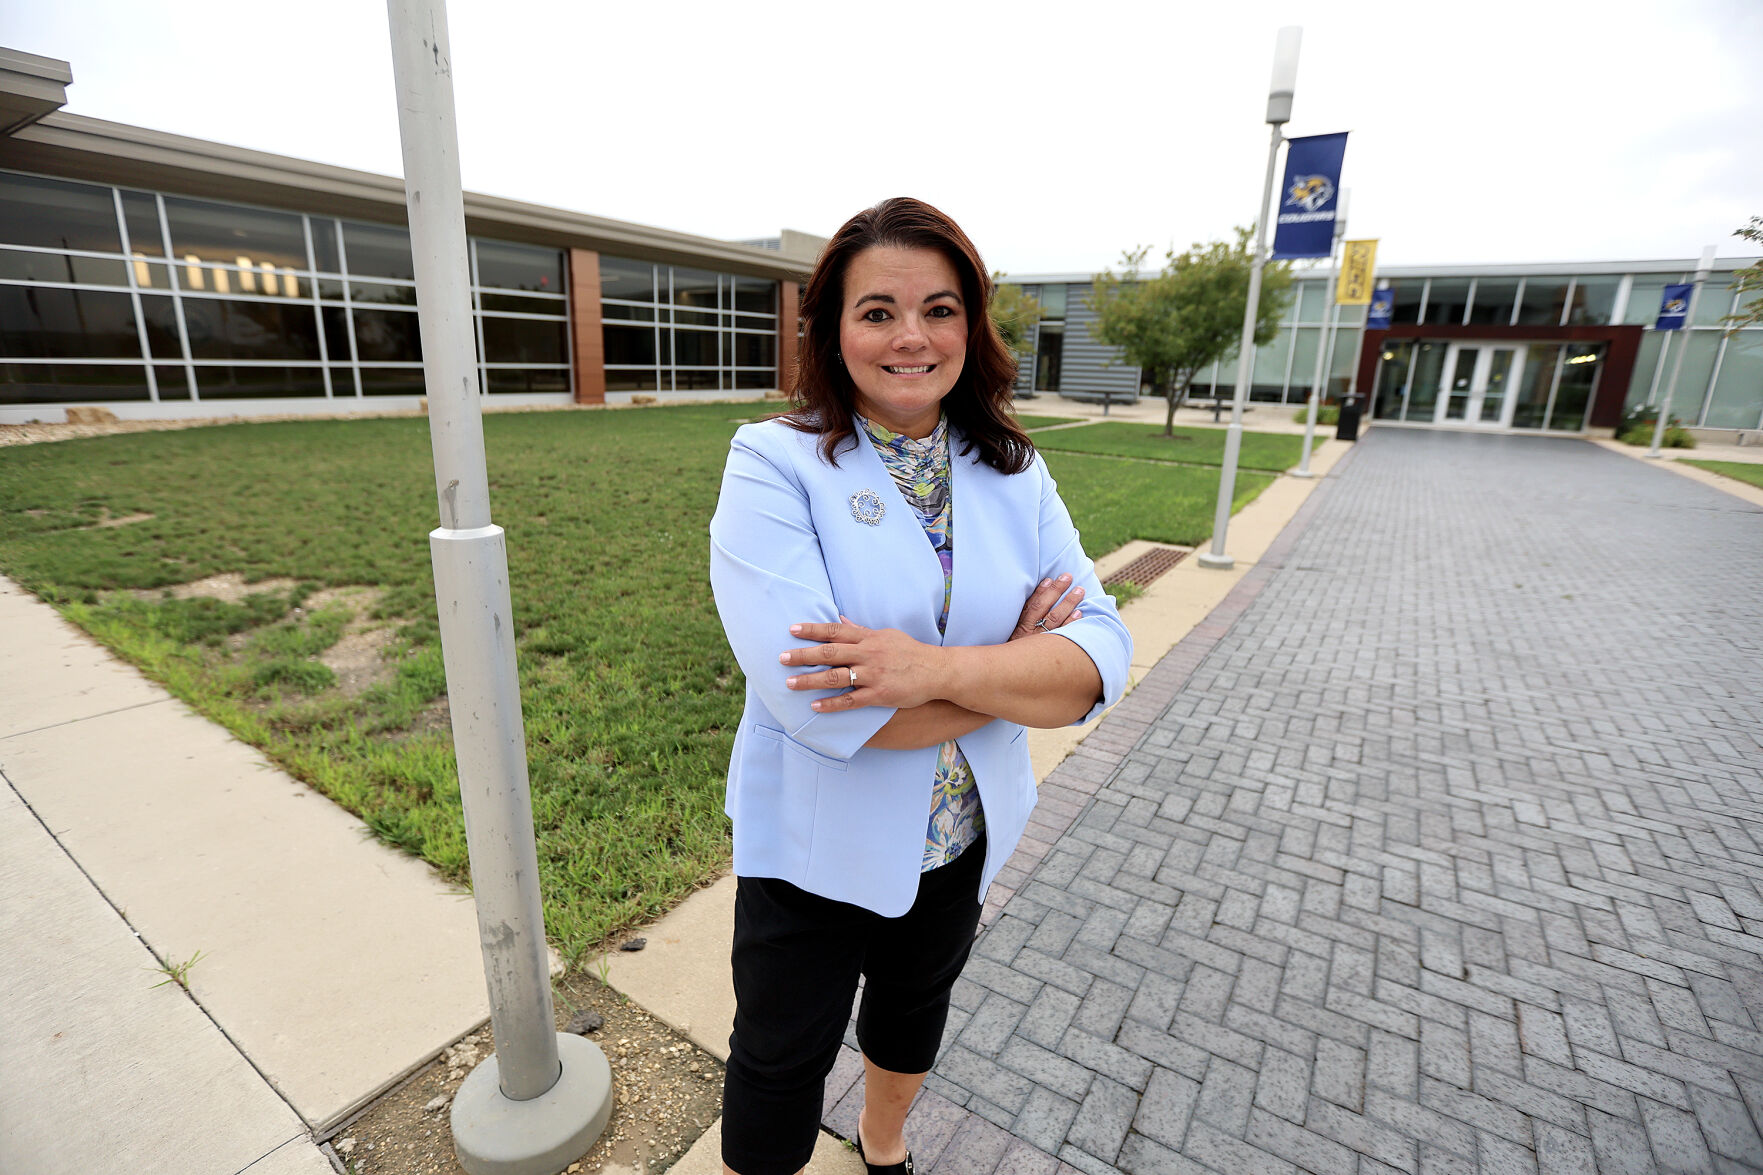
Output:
(1674, 306)
(1304, 222)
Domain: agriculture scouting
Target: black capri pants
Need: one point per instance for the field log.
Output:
(797, 957)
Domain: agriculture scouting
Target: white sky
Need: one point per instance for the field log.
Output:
(1057, 134)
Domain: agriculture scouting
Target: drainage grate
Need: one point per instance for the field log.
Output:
(1149, 566)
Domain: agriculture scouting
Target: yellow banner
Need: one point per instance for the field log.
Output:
(1358, 265)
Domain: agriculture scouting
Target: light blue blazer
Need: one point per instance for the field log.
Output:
(810, 803)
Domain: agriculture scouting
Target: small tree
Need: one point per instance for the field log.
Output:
(1177, 323)
(1748, 280)
(1015, 315)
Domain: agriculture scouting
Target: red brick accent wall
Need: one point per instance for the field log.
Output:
(589, 360)
(786, 333)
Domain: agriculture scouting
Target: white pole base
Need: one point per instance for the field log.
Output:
(493, 1135)
(1301, 473)
(1216, 562)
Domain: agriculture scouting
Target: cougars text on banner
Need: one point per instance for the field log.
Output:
(1358, 266)
(1304, 219)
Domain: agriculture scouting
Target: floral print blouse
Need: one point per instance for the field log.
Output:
(920, 468)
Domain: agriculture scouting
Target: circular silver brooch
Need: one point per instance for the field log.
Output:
(867, 508)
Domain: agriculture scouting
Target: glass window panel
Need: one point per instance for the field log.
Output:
(55, 214)
(1304, 347)
(174, 382)
(554, 307)
(1493, 301)
(1737, 401)
(1049, 356)
(694, 287)
(41, 323)
(1052, 300)
(336, 331)
(1392, 376)
(1534, 383)
(1646, 364)
(633, 281)
(697, 318)
(342, 381)
(632, 313)
(755, 350)
(527, 380)
(392, 381)
(630, 381)
(503, 265)
(1593, 300)
(1423, 388)
(1312, 302)
(151, 275)
(60, 267)
(1715, 301)
(697, 381)
(1268, 382)
(1692, 379)
(235, 328)
(377, 250)
(1345, 345)
(66, 383)
(387, 336)
(1579, 373)
(629, 345)
(160, 315)
(331, 291)
(324, 245)
(755, 379)
(767, 322)
(1446, 301)
(382, 293)
(258, 383)
(1462, 379)
(1644, 296)
(696, 348)
(1544, 298)
(524, 340)
(140, 212)
(230, 234)
(756, 294)
(1405, 310)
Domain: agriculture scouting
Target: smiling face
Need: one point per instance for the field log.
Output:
(903, 335)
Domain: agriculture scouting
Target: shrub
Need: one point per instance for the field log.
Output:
(1329, 414)
(1637, 429)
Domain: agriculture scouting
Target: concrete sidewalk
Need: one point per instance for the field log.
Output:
(138, 833)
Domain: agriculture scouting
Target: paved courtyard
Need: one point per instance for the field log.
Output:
(1437, 849)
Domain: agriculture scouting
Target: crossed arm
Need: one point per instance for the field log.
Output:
(1036, 678)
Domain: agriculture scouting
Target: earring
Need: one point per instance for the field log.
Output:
(839, 358)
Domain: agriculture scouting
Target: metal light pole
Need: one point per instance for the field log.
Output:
(1322, 349)
(1279, 112)
(543, 1099)
(1689, 318)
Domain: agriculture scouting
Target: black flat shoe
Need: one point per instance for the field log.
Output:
(902, 1168)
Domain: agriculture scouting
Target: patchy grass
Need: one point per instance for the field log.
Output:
(1045, 421)
(630, 694)
(1195, 446)
(1737, 470)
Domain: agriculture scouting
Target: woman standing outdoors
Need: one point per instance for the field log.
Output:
(905, 592)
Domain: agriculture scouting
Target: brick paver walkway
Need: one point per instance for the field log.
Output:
(1437, 849)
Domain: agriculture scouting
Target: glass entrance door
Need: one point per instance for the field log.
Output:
(1476, 385)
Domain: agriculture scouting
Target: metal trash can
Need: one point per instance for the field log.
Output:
(1348, 428)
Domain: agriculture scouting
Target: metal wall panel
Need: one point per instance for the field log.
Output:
(1090, 366)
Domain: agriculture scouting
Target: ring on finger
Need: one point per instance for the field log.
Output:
(1042, 624)
(852, 670)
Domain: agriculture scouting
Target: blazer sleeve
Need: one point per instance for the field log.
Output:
(767, 571)
(1100, 633)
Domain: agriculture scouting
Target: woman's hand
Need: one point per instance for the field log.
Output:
(1047, 610)
(879, 666)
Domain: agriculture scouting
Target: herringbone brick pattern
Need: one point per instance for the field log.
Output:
(1436, 850)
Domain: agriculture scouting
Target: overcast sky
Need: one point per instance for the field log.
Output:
(1057, 134)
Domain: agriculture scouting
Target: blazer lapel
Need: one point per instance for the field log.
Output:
(906, 576)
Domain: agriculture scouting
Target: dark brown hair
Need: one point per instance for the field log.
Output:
(978, 404)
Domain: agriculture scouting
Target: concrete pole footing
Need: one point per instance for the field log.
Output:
(1216, 562)
(493, 1135)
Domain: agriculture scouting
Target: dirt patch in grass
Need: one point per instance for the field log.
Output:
(229, 587)
(666, 1092)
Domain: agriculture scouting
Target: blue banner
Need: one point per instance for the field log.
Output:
(1304, 220)
(1383, 303)
(1674, 307)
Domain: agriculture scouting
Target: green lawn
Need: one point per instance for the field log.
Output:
(1192, 446)
(1738, 470)
(1043, 421)
(629, 691)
